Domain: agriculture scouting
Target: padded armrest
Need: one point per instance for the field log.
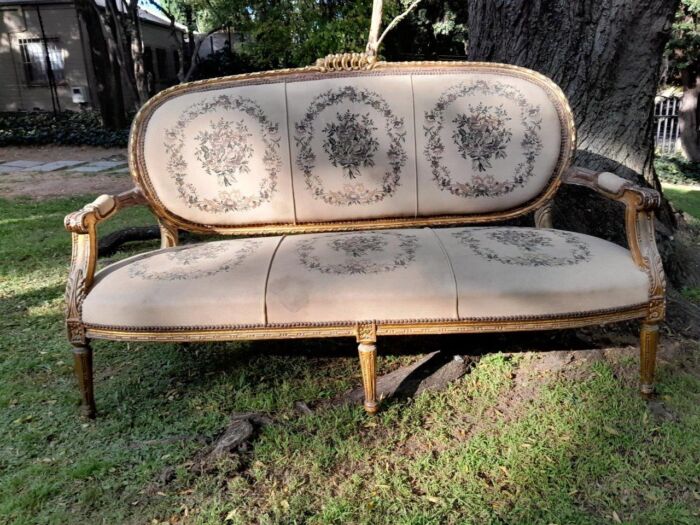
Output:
(640, 204)
(614, 187)
(100, 209)
(82, 224)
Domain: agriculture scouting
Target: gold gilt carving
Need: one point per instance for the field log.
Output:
(168, 234)
(82, 363)
(346, 62)
(366, 333)
(368, 364)
(649, 338)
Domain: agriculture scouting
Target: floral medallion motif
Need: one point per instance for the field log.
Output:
(530, 243)
(350, 144)
(185, 259)
(482, 136)
(225, 152)
(364, 253)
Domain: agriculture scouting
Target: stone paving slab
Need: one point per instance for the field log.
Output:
(19, 164)
(56, 165)
(101, 165)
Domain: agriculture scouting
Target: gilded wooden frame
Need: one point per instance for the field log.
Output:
(639, 220)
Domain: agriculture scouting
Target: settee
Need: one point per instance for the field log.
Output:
(357, 195)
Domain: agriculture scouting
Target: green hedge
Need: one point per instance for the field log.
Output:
(68, 128)
(677, 170)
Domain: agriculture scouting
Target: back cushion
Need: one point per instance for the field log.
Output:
(388, 143)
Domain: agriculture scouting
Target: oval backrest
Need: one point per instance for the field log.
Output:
(400, 144)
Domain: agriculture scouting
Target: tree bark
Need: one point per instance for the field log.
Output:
(606, 56)
(110, 96)
(689, 113)
(136, 48)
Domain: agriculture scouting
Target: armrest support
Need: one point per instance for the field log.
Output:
(103, 207)
(82, 225)
(640, 204)
(614, 187)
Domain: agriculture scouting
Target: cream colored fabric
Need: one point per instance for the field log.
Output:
(104, 204)
(503, 272)
(222, 156)
(357, 276)
(611, 182)
(487, 142)
(210, 284)
(378, 275)
(353, 148)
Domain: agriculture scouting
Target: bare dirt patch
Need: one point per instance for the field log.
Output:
(51, 153)
(61, 183)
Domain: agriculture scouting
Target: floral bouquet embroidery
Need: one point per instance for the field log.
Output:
(224, 150)
(358, 245)
(532, 244)
(357, 248)
(186, 259)
(350, 142)
(482, 135)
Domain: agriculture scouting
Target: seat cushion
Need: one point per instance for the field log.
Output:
(383, 275)
(507, 272)
(375, 275)
(210, 284)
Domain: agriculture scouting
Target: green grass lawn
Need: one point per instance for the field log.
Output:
(514, 442)
(684, 197)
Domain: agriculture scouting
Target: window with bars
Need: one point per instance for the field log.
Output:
(34, 60)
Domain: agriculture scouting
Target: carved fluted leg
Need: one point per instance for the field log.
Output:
(82, 358)
(649, 339)
(368, 362)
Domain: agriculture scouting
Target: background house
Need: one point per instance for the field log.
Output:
(31, 29)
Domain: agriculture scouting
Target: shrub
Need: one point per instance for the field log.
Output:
(68, 128)
(677, 170)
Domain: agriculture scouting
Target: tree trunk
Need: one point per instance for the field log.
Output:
(191, 28)
(136, 48)
(108, 84)
(606, 56)
(689, 113)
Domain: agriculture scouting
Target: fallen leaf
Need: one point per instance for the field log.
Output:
(616, 518)
(612, 431)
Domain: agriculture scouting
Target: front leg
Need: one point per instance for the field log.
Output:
(82, 358)
(648, 341)
(368, 363)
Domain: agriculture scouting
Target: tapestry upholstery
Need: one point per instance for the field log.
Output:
(391, 274)
(205, 284)
(348, 146)
(399, 274)
(503, 272)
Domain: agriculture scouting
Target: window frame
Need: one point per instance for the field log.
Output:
(27, 63)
